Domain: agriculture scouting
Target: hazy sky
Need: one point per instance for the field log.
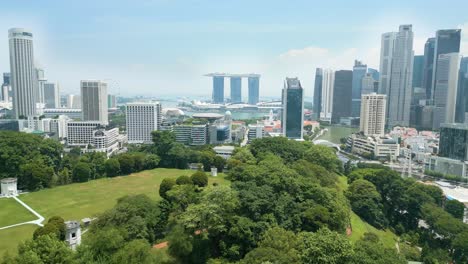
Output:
(163, 47)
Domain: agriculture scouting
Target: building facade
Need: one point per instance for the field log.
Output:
(236, 89)
(429, 50)
(342, 89)
(373, 108)
(218, 89)
(359, 71)
(94, 101)
(317, 106)
(141, 120)
(254, 90)
(293, 109)
(453, 142)
(386, 56)
(328, 81)
(23, 78)
(51, 95)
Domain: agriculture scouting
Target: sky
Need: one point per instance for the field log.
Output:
(163, 47)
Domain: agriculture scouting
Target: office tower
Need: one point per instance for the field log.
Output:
(41, 80)
(359, 71)
(317, 107)
(111, 101)
(293, 109)
(446, 41)
(399, 91)
(386, 54)
(428, 66)
(328, 80)
(51, 95)
(462, 92)
(446, 88)
(218, 89)
(73, 101)
(373, 108)
(454, 141)
(142, 119)
(368, 84)
(418, 69)
(375, 74)
(94, 101)
(5, 89)
(6, 78)
(342, 90)
(23, 78)
(236, 89)
(254, 89)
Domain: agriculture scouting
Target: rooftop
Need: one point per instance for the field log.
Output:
(222, 74)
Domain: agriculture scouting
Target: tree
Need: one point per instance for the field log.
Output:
(324, 247)
(184, 179)
(455, 208)
(127, 163)
(366, 202)
(219, 162)
(101, 244)
(112, 166)
(206, 158)
(166, 185)
(44, 249)
(323, 156)
(81, 172)
(288, 150)
(134, 252)
(180, 244)
(55, 227)
(36, 174)
(200, 179)
(151, 161)
(369, 250)
(138, 161)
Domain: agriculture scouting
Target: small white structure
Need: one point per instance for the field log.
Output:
(214, 172)
(224, 151)
(73, 234)
(9, 187)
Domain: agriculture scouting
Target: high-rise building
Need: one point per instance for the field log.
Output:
(293, 109)
(51, 95)
(73, 101)
(317, 107)
(236, 89)
(445, 91)
(428, 66)
(6, 78)
(373, 108)
(94, 101)
(399, 91)
(375, 74)
(446, 41)
(418, 69)
(328, 80)
(111, 101)
(342, 89)
(359, 71)
(218, 89)
(368, 84)
(23, 77)
(462, 93)
(254, 87)
(386, 55)
(41, 80)
(454, 141)
(142, 119)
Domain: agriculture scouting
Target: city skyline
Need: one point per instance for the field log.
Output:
(141, 51)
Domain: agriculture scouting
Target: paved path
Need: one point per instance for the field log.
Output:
(34, 222)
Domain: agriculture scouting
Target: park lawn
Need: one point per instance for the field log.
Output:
(12, 212)
(10, 238)
(359, 226)
(79, 200)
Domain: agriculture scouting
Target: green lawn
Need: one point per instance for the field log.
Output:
(79, 200)
(11, 237)
(359, 226)
(11, 212)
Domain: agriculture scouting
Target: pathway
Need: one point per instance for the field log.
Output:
(34, 222)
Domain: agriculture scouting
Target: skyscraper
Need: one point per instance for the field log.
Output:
(446, 89)
(359, 71)
(328, 80)
(454, 141)
(462, 92)
(342, 89)
(23, 78)
(218, 89)
(386, 54)
(399, 91)
(254, 87)
(41, 80)
(141, 120)
(368, 84)
(111, 101)
(428, 66)
(293, 109)
(94, 101)
(418, 69)
(6, 78)
(74, 101)
(236, 89)
(373, 107)
(446, 41)
(317, 107)
(51, 95)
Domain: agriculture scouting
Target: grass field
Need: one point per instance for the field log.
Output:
(79, 200)
(11, 212)
(359, 226)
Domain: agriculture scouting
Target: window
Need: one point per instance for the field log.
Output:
(73, 235)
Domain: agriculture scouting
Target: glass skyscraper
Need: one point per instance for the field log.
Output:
(428, 66)
(293, 109)
(317, 107)
(454, 141)
(359, 71)
(236, 89)
(254, 87)
(342, 92)
(6, 78)
(462, 92)
(218, 89)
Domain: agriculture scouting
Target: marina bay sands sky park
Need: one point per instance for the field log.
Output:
(236, 87)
